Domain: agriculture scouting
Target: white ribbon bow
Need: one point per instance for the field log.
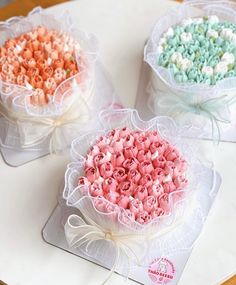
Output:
(35, 130)
(133, 245)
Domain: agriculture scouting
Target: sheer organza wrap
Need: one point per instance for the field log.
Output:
(75, 103)
(211, 108)
(109, 236)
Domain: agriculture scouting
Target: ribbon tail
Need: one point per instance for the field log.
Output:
(36, 140)
(215, 129)
(113, 267)
(55, 142)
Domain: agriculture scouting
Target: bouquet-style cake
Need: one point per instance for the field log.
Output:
(192, 52)
(48, 82)
(136, 188)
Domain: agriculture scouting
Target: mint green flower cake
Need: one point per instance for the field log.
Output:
(199, 50)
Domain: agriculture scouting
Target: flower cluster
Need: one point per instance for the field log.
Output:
(39, 60)
(136, 170)
(199, 50)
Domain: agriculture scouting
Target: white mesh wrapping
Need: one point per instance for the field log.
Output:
(182, 100)
(75, 103)
(138, 247)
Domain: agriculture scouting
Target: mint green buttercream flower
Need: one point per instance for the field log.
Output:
(203, 44)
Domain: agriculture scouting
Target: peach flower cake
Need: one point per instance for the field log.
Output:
(39, 60)
(136, 171)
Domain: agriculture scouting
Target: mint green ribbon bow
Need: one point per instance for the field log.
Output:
(215, 109)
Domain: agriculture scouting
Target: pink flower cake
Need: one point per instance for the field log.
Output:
(136, 171)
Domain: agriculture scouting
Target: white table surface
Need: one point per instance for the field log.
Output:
(28, 193)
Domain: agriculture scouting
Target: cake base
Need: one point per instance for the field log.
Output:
(166, 265)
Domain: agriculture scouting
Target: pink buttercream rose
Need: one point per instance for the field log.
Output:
(84, 181)
(135, 206)
(145, 167)
(117, 159)
(142, 142)
(95, 189)
(119, 174)
(123, 201)
(146, 180)
(102, 140)
(101, 158)
(169, 187)
(144, 155)
(126, 188)
(114, 135)
(143, 217)
(180, 182)
(118, 145)
(169, 168)
(89, 161)
(134, 176)
(92, 174)
(106, 169)
(163, 202)
(112, 196)
(159, 146)
(141, 193)
(150, 203)
(106, 149)
(109, 184)
(128, 140)
(181, 164)
(94, 150)
(171, 153)
(160, 161)
(130, 163)
(158, 174)
(124, 132)
(156, 190)
(104, 146)
(154, 136)
(130, 151)
(157, 212)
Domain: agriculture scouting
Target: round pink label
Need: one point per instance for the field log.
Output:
(161, 271)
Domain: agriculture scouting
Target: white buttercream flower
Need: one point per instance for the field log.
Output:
(185, 64)
(169, 32)
(176, 57)
(208, 70)
(226, 33)
(160, 49)
(167, 178)
(198, 21)
(233, 39)
(186, 37)
(228, 58)
(162, 41)
(213, 19)
(187, 22)
(221, 67)
(212, 34)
